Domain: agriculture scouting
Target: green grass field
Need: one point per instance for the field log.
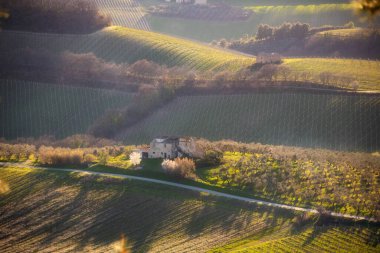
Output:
(63, 212)
(34, 109)
(340, 122)
(366, 72)
(314, 14)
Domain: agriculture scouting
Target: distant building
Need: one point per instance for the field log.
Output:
(188, 1)
(170, 147)
(264, 58)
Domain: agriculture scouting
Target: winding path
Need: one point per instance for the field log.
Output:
(197, 189)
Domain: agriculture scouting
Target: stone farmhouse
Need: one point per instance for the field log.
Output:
(265, 58)
(170, 147)
(202, 2)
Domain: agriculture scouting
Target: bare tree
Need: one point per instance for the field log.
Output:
(325, 77)
(284, 72)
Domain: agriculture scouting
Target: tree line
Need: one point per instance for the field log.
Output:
(299, 39)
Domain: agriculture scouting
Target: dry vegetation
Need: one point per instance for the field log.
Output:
(180, 168)
(63, 212)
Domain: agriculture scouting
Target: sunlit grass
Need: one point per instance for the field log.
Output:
(4, 187)
(366, 72)
(354, 32)
(300, 9)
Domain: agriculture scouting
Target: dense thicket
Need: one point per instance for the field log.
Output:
(55, 16)
(84, 70)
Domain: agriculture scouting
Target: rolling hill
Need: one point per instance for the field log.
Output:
(63, 212)
(264, 13)
(125, 45)
(128, 13)
(35, 109)
(343, 122)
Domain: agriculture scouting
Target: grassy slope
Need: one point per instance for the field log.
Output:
(129, 45)
(364, 71)
(315, 15)
(347, 32)
(63, 212)
(294, 119)
(35, 109)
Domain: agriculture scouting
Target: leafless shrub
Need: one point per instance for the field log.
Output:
(60, 156)
(180, 167)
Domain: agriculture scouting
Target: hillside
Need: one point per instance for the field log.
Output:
(127, 45)
(124, 13)
(366, 72)
(34, 109)
(344, 122)
(63, 212)
(264, 13)
(124, 45)
(354, 32)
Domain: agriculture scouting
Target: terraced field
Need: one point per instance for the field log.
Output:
(340, 122)
(35, 109)
(125, 45)
(63, 212)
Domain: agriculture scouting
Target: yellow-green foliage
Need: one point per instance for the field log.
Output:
(300, 9)
(338, 187)
(354, 32)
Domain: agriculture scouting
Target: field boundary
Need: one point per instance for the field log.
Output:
(194, 188)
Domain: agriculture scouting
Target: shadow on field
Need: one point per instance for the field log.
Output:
(58, 213)
(236, 216)
(55, 210)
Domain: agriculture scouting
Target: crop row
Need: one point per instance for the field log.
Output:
(125, 45)
(66, 214)
(36, 109)
(296, 119)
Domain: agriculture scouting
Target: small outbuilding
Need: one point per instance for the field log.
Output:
(265, 58)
